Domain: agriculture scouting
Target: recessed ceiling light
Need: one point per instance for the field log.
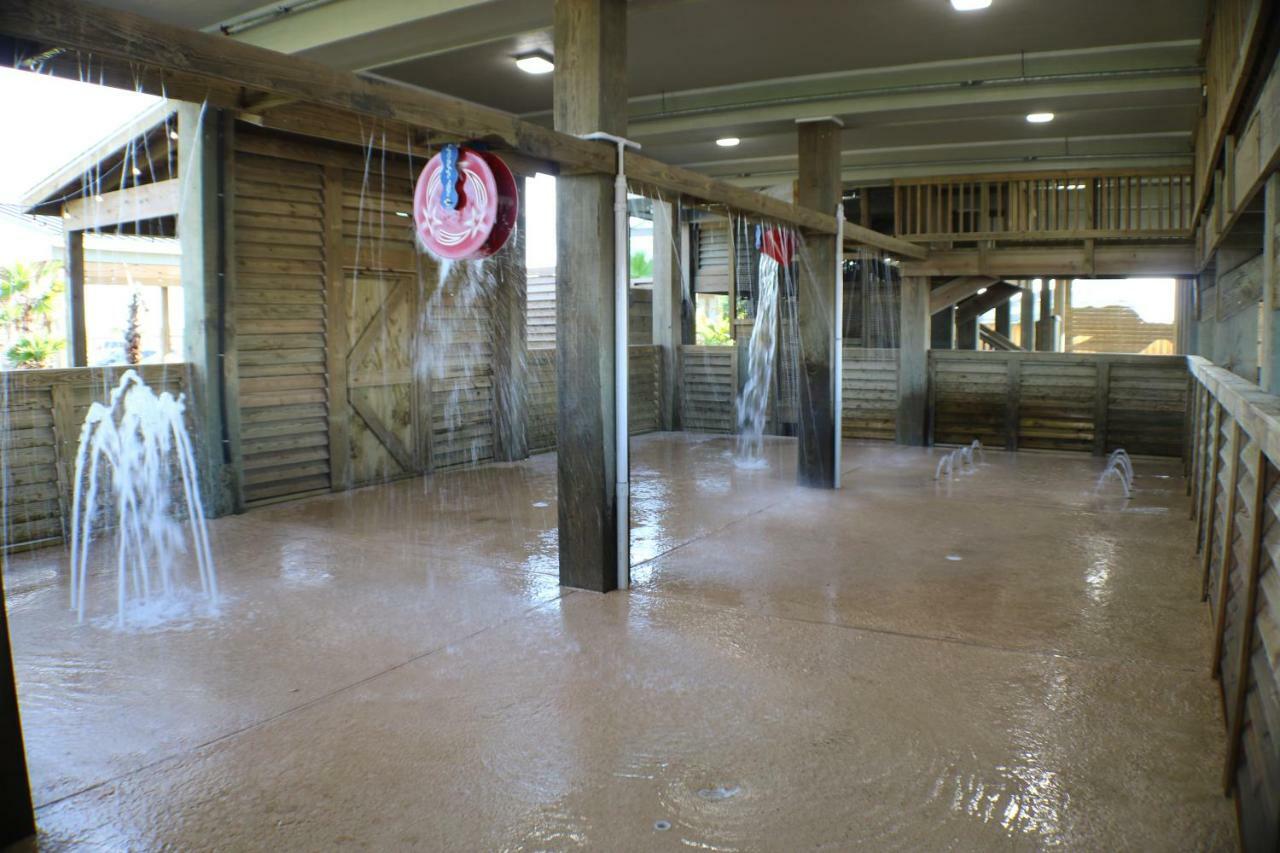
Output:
(727, 141)
(537, 62)
(981, 290)
(969, 5)
(1039, 118)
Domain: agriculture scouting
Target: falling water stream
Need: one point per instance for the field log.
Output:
(753, 404)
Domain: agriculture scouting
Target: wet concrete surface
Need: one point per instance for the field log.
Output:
(396, 667)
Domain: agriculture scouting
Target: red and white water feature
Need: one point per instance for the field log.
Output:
(465, 204)
(778, 244)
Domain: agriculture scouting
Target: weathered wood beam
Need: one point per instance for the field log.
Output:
(195, 56)
(73, 261)
(1167, 260)
(980, 303)
(913, 362)
(133, 204)
(590, 95)
(668, 308)
(957, 290)
(997, 340)
(819, 189)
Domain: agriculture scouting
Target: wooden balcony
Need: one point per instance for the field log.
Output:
(1033, 206)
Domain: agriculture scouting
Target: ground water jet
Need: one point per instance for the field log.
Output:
(1120, 467)
(136, 446)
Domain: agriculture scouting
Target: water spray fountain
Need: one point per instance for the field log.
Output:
(961, 459)
(1120, 467)
(137, 446)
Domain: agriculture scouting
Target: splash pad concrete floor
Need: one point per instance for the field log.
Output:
(1014, 660)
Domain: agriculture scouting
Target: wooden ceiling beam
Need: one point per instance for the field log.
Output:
(196, 56)
(1076, 261)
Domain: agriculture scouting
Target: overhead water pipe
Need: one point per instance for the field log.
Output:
(621, 413)
(837, 369)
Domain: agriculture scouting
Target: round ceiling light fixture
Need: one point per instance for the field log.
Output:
(969, 5)
(1039, 118)
(728, 141)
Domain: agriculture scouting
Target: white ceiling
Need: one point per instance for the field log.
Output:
(921, 88)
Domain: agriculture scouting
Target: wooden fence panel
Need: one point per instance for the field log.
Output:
(709, 388)
(870, 401)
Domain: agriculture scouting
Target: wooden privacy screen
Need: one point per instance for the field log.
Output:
(1234, 443)
(41, 412)
(710, 383)
(1059, 401)
(541, 399)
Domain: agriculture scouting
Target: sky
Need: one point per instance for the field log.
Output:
(50, 120)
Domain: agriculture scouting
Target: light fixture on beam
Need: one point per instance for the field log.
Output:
(536, 62)
(728, 141)
(969, 5)
(1039, 118)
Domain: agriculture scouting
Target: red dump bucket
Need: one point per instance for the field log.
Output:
(778, 244)
(485, 212)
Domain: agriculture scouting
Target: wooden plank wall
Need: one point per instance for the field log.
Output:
(41, 412)
(708, 388)
(540, 424)
(1233, 443)
(1058, 401)
(280, 317)
(870, 402)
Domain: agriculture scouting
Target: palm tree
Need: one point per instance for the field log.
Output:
(28, 293)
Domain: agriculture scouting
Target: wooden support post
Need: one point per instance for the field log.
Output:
(1228, 539)
(590, 95)
(203, 287)
(913, 361)
(1044, 328)
(819, 189)
(336, 337)
(17, 814)
(942, 333)
(1209, 511)
(77, 340)
(1270, 380)
(668, 307)
(1257, 508)
(1027, 320)
(1013, 405)
(510, 352)
(1101, 407)
(1004, 319)
(967, 332)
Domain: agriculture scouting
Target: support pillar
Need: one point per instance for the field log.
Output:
(1004, 319)
(77, 339)
(510, 439)
(668, 309)
(204, 292)
(1044, 328)
(17, 815)
(590, 95)
(1270, 378)
(943, 332)
(1027, 319)
(913, 361)
(818, 188)
(967, 332)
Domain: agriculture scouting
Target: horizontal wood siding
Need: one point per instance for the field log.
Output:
(870, 385)
(645, 367)
(708, 388)
(280, 326)
(41, 413)
(1062, 401)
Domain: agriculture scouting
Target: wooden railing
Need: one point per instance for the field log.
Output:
(40, 414)
(1147, 204)
(1234, 466)
(1058, 401)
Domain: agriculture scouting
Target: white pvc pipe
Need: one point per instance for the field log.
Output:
(837, 367)
(621, 408)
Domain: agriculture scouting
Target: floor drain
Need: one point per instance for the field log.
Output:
(721, 793)
(662, 825)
